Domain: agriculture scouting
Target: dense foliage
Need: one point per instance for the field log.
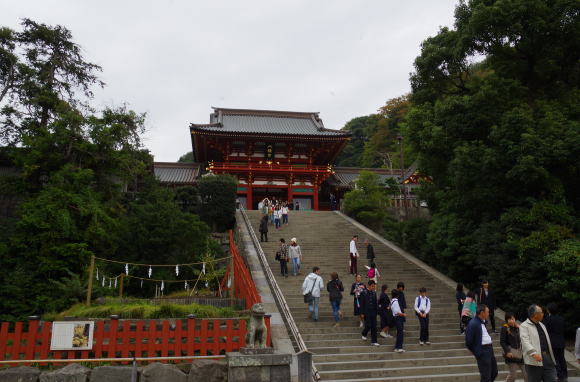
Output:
(84, 183)
(368, 202)
(501, 139)
(374, 140)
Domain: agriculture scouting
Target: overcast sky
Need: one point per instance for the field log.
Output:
(176, 59)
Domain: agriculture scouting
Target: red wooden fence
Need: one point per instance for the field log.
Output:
(244, 286)
(143, 338)
(129, 338)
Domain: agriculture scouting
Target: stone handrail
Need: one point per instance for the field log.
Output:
(279, 296)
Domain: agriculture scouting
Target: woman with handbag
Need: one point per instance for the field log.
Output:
(512, 347)
(335, 289)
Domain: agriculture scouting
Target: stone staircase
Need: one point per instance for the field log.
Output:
(339, 353)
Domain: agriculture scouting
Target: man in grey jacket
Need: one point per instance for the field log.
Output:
(536, 347)
(313, 284)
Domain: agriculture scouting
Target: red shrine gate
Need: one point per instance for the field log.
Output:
(279, 154)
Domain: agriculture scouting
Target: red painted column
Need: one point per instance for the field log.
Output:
(249, 201)
(315, 198)
(290, 196)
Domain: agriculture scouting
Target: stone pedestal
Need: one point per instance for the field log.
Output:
(263, 366)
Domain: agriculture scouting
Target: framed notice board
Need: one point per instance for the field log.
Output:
(72, 335)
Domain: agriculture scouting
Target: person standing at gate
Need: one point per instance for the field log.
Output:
(370, 310)
(277, 217)
(296, 256)
(264, 229)
(370, 252)
(487, 296)
(353, 255)
(478, 341)
(399, 320)
(422, 309)
(285, 213)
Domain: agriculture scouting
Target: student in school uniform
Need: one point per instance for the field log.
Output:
(399, 320)
(422, 309)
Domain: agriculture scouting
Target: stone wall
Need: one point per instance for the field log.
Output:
(199, 370)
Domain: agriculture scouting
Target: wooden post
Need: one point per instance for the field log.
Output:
(90, 286)
(121, 285)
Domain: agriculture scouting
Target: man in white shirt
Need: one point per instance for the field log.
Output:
(422, 309)
(353, 255)
(313, 284)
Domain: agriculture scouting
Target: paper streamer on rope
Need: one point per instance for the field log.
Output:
(150, 271)
(115, 282)
(97, 274)
(206, 284)
(141, 283)
(186, 286)
(103, 283)
(127, 269)
(203, 269)
(109, 283)
(162, 285)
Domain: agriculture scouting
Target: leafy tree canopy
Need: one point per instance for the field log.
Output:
(494, 118)
(84, 181)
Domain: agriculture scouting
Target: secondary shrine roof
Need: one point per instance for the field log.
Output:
(346, 176)
(267, 122)
(176, 173)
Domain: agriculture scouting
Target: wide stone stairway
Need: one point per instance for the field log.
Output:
(339, 353)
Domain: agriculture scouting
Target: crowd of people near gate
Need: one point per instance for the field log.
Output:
(534, 347)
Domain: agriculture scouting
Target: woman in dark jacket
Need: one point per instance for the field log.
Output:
(335, 289)
(387, 321)
(264, 228)
(512, 347)
(555, 327)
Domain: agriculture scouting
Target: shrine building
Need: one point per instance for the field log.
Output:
(287, 155)
(283, 154)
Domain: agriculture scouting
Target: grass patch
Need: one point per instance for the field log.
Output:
(142, 310)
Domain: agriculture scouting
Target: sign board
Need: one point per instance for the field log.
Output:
(72, 335)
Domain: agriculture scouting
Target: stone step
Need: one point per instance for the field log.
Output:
(398, 362)
(361, 347)
(383, 353)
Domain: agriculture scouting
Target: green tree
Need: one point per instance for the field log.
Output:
(217, 201)
(368, 202)
(501, 139)
(186, 158)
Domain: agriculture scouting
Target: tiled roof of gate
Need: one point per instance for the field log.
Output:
(176, 173)
(267, 122)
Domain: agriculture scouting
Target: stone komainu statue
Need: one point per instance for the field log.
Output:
(257, 332)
